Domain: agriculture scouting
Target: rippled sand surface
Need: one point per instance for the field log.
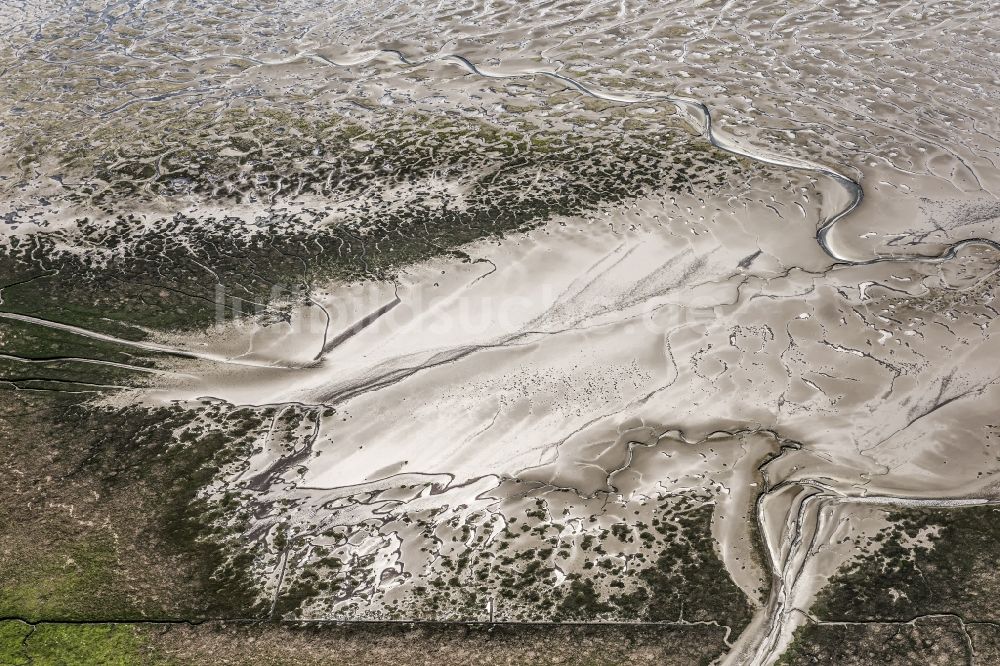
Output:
(508, 282)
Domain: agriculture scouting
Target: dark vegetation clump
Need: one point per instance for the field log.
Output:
(129, 271)
(928, 561)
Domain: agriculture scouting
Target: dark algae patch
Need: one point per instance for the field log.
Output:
(928, 561)
(686, 580)
(677, 576)
(330, 198)
(927, 641)
(924, 592)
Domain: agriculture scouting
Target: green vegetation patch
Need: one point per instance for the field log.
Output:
(103, 517)
(66, 579)
(74, 645)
